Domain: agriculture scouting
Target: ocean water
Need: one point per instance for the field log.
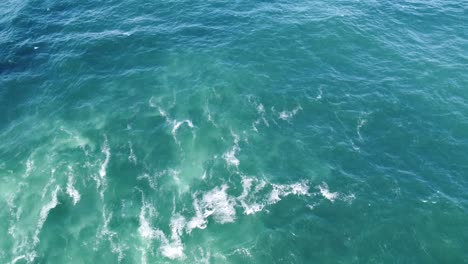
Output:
(234, 131)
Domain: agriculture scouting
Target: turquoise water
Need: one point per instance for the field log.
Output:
(233, 131)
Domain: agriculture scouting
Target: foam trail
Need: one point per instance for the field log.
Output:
(162, 112)
(49, 183)
(360, 124)
(255, 124)
(209, 116)
(106, 150)
(216, 203)
(151, 102)
(204, 257)
(29, 167)
(331, 196)
(131, 157)
(261, 111)
(143, 256)
(71, 191)
(252, 203)
(219, 204)
(116, 248)
(145, 229)
(29, 257)
(280, 191)
(150, 179)
(198, 221)
(176, 124)
(16, 259)
(246, 187)
(252, 208)
(45, 212)
(175, 249)
(172, 250)
(230, 156)
(287, 115)
(319, 96)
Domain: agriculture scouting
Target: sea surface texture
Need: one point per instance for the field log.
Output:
(328, 131)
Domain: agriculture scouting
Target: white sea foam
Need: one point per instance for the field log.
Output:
(131, 157)
(176, 124)
(151, 102)
(246, 186)
(162, 112)
(15, 211)
(261, 111)
(112, 236)
(174, 174)
(203, 257)
(75, 140)
(174, 249)
(71, 190)
(29, 167)
(243, 251)
(219, 204)
(29, 257)
(249, 207)
(100, 179)
(177, 226)
(48, 184)
(16, 259)
(145, 229)
(117, 249)
(260, 185)
(216, 203)
(253, 208)
(279, 191)
(106, 150)
(210, 119)
(143, 259)
(252, 203)
(255, 124)
(360, 124)
(299, 189)
(150, 179)
(230, 156)
(198, 221)
(348, 198)
(209, 116)
(170, 248)
(331, 196)
(45, 212)
(287, 115)
(355, 148)
(319, 96)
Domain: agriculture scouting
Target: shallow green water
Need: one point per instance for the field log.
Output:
(233, 131)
